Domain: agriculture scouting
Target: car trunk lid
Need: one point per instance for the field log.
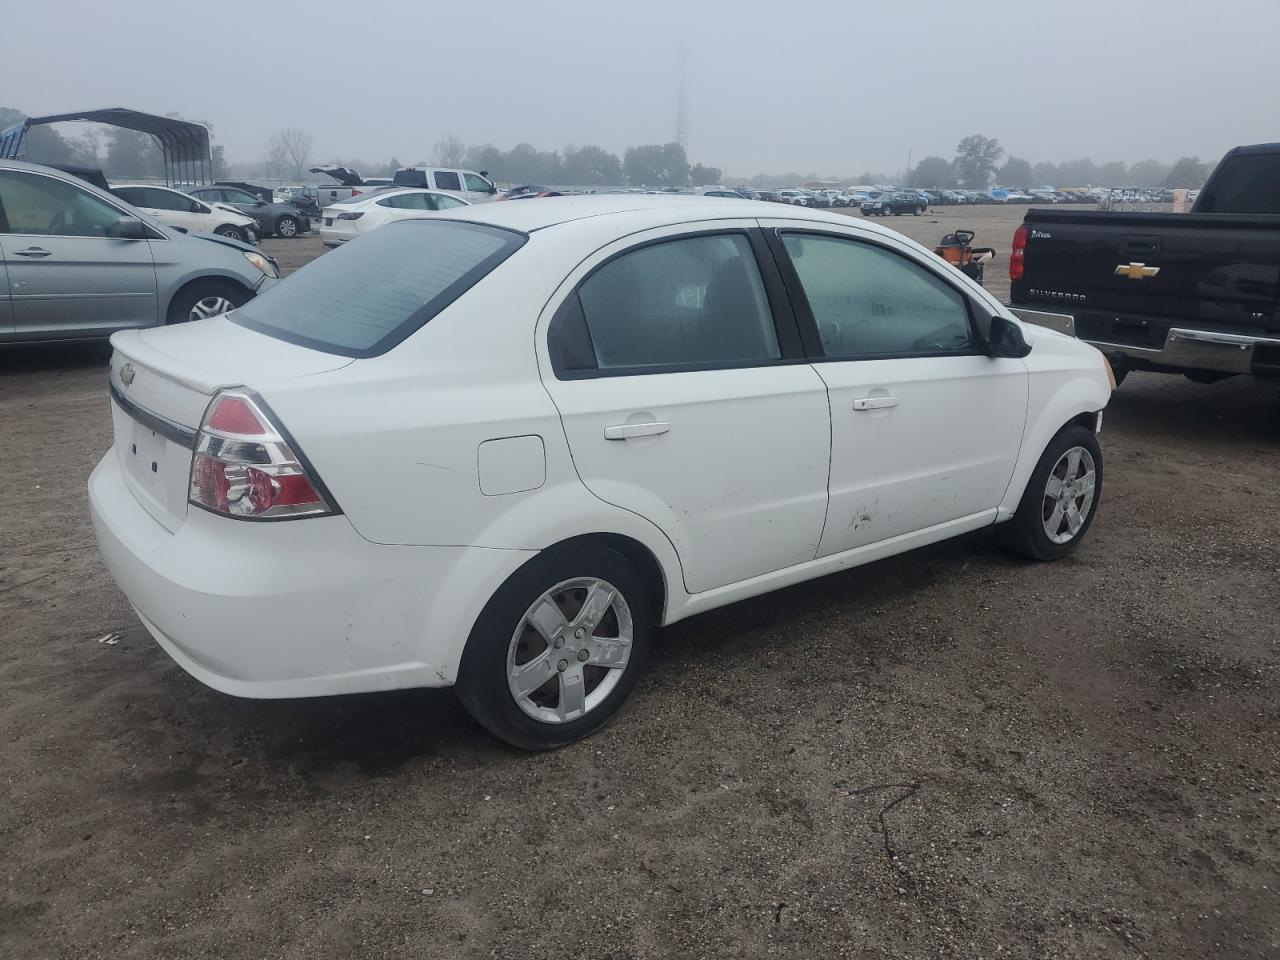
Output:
(161, 383)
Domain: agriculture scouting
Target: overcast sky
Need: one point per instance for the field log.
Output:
(828, 87)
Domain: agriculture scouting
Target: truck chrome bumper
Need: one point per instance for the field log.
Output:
(1183, 348)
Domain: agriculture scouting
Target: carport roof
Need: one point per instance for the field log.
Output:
(184, 144)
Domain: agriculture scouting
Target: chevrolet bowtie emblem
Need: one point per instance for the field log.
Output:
(1136, 271)
(127, 373)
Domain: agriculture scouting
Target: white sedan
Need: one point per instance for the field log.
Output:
(179, 209)
(355, 216)
(497, 447)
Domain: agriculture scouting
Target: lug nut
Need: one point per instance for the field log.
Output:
(584, 655)
(579, 633)
(558, 642)
(562, 666)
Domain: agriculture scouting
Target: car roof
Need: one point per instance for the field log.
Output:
(645, 210)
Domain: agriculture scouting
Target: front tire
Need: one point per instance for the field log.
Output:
(1061, 498)
(558, 648)
(206, 299)
(231, 233)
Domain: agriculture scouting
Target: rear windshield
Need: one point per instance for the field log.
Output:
(365, 297)
(1248, 183)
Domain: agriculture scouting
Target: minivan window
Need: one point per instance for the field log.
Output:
(695, 301)
(446, 180)
(37, 205)
(364, 298)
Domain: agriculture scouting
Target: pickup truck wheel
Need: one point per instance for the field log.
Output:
(205, 299)
(287, 227)
(558, 647)
(1061, 498)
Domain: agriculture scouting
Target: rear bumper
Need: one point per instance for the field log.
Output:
(293, 609)
(1184, 348)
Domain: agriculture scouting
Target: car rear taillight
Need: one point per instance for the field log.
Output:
(349, 216)
(245, 467)
(1017, 259)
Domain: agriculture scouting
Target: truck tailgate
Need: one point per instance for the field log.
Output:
(1129, 278)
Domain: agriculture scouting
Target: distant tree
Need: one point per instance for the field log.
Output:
(288, 151)
(704, 176)
(591, 166)
(1016, 172)
(389, 168)
(1187, 172)
(1078, 173)
(976, 159)
(930, 172)
(1044, 174)
(644, 166)
(132, 153)
(1148, 173)
(218, 161)
(450, 151)
(1114, 173)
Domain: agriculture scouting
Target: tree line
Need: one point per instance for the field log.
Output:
(977, 163)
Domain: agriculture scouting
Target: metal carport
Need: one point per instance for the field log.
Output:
(183, 144)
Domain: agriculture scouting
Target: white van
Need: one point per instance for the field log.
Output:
(465, 184)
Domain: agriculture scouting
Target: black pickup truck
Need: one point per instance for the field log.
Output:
(1192, 293)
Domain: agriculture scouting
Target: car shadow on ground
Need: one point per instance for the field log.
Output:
(40, 358)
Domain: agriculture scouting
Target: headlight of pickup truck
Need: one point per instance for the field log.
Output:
(269, 268)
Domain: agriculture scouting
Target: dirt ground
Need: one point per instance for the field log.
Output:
(948, 754)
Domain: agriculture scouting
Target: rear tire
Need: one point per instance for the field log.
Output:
(206, 298)
(287, 227)
(580, 664)
(1061, 499)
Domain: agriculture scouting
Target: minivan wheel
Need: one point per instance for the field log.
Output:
(286, 227)
(202, 300)
(230, 232)
(1061, 498)
(558, 648)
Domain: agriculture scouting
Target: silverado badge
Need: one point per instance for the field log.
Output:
(127, 373)
(1136, 271)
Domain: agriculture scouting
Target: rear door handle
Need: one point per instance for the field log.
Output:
(874, 403)
(625, 431)
(33, 252)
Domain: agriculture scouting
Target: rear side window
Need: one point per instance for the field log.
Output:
(868, 302)
(365, 297)
(694, 302)
(447, 181)
(1245, 184)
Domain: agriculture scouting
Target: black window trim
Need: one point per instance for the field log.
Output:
(808, 325)
(420, 317)
(786, 329)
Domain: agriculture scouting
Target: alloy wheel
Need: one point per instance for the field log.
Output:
(569, 650)
(210, 307)
(1068, 495)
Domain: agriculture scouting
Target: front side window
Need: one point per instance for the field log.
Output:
(697, 301)
(868, 302)
(446, 180)
(42, 206)
(477, 184)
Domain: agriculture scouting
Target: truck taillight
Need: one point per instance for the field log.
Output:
(244, 467)
(1017, 259)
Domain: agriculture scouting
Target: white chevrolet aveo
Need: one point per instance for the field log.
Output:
(497, 447)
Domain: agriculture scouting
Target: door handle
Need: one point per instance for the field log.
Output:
(33, 252)
(625, 431)
(874, 403)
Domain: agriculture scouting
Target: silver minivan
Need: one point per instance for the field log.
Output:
(77, 262)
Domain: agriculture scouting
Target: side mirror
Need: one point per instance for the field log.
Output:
(1004, 339)
(127, 228)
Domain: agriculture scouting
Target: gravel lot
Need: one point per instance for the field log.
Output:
(948, 754)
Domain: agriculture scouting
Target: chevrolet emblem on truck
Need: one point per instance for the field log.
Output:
(1136, 271)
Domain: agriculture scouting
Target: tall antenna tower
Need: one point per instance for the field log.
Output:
(682, 121)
